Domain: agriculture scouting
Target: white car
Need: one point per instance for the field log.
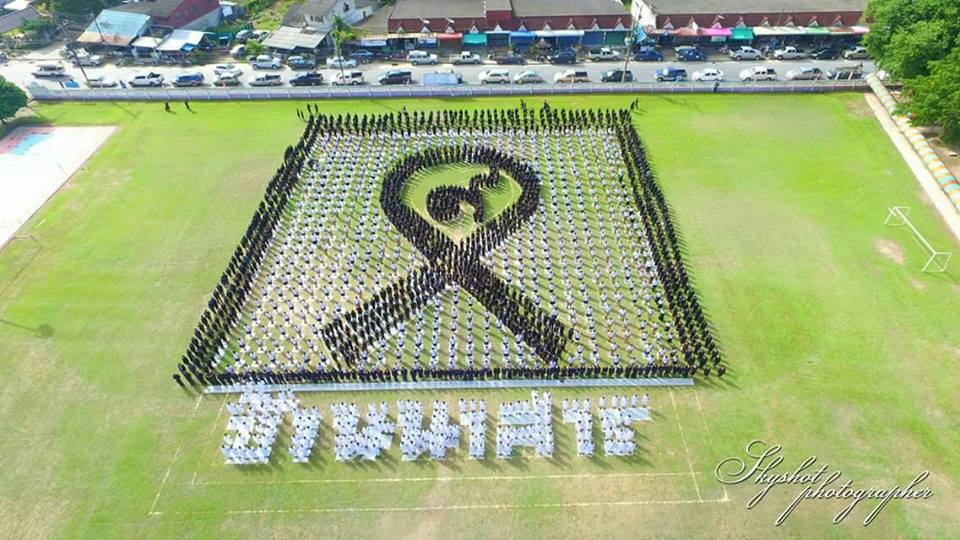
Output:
(88, 60)
(267, 80)
(745, 53)
(100, 81)
(347, 78)
(527, 77)
(146, 79)
(421, 57)
(789, 53)
(265, 61)
(494, 76)
(808, 73)
(605, 54)
(339, 62)
(227, 69)
(758, 73)
(707, 75)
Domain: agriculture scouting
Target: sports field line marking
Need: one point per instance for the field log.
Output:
(400, 480)
(176, 454)
(444, 508)
(696, 395)
(686, 452)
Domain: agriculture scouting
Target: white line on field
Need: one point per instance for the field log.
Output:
(445, 508)
(703, 418)
(686, 453)
(176, 454)
(445, 479)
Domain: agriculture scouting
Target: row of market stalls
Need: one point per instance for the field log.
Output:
(517, 40)
(746, 34)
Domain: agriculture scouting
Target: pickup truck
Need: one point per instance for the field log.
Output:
(466, 57)
(604, 54)
(789, 53)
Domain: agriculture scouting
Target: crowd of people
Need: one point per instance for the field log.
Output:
(524, 427)
(324, 285)
(253, 425)
(526, 424)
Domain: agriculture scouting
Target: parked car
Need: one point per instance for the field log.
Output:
(465, 57)
(616, 75)
(193, 78)
(267, 80)
(567, 56)
(300, 62)
(845, 73)
(527, 77)
(825, 53)
(604, 54)
(689, 54)
(227, 69)
(307, 78)
(227, 79)
(363, 56)
(265, 61)
(339, 62)
(50, 71)
(100, 81)
(648, 54)
(745, 53)
(259, 35)
(571, 76)
(418, 58)
(345, 78)
(494, 76)
(85, 59)
(670, 73)
(512, 59)
(758, 73)
(707, 75)
(243, 35)
(789, 53)
(395, 76)
(808, 73)
(146, 79)
(856, 53)
(238, 51)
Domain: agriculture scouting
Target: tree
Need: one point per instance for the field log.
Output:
(12, 99)
(908, 34)
(918, 42)
(935, 98)
(341, 33)
(77, 9)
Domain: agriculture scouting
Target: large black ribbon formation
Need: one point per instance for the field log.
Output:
(451, 262)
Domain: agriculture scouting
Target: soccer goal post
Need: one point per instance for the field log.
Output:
(898, 216)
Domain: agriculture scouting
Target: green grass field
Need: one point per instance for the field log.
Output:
(838, 346)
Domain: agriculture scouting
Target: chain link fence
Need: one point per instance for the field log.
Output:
(42, 93)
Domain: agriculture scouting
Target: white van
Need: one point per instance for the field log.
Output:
(421, 57)
(50, 70)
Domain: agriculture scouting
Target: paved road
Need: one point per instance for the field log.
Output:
(19, 71)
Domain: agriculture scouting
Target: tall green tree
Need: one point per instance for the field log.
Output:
(12, 99)
(908, 34)
(78, 9)
(935, 98)
(918, 42)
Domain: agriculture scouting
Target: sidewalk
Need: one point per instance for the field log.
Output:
(920, 171)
